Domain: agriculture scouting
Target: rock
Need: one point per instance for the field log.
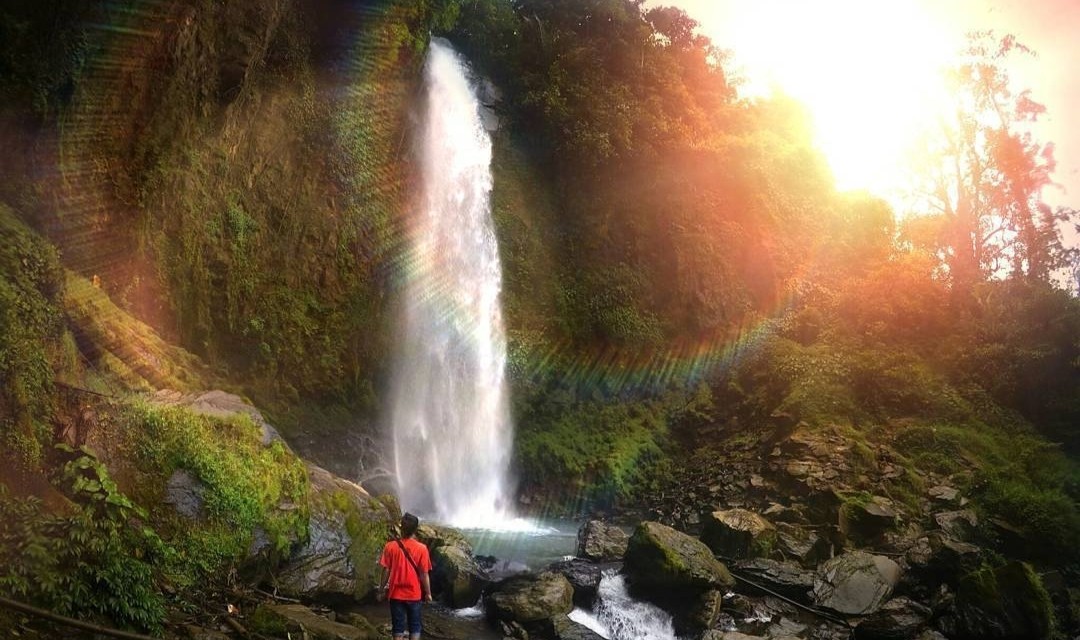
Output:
(738, 533)
(566, 629)
(601, 542)
(662, 561)
(713, 634)
(185, 493)
(220, 404)
(897, 619)
(855, 583)
(1007, 603)
(865, 519)
(528, 598)
(801, 544)
(304, 620)
(701, 615)
(456, 577)
(435, 536)
(787, 579)
(584, 577)
(958, 524)
(937, 559)
(346, 534)
(943, 493)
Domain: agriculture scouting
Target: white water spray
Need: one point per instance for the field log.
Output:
(450, 421)
(617, 616)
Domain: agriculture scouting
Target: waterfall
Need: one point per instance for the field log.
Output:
(449, 416)
(617, 616)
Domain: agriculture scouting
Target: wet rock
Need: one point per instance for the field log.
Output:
(456, 577)
(937, 559)
(958, 524)
(702, 614)
(738, 533)
(800, 544)
(1007, 603)
(346, 534)
(601, 542)
(865, 519)
(787, 579)
(300, 619)
(435, 536)
(530, 598)
(661, 560)
(897, 619)
(564, 628)
(855, 583)
(584, 577)
(713, 634)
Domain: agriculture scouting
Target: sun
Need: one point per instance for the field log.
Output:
(868, 72)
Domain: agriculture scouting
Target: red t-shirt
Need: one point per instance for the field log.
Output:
(404, 583)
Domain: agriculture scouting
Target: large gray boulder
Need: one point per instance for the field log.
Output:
(530, 598)
(738, 533)
(601, 542)
(346, 534)
(1007, 603)
(855, 583)
(661, 561)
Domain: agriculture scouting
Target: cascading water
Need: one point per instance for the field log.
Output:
(450, 422)
(617, 616)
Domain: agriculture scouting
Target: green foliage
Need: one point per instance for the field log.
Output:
(96, 560)
(31, 290)
(246, 482)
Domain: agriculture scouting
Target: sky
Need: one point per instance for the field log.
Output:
(866, 70)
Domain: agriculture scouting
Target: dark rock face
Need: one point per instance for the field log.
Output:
(563, 628)
(855, 583)
(864, 521)
(660, 560)
(957, 524)
(787, 579)
(897, 619)
(936, 559)
(803, 545)
(530, 598)
(738, 533)
(601, 542)
(584, 577)
(1007, 603)
(185, 493)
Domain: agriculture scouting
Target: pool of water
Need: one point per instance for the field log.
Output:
(525, 545)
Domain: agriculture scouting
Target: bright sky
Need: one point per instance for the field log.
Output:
(867, 70)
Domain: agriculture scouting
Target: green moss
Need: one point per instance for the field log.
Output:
(1011, 595)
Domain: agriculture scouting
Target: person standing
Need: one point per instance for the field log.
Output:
(406, 564)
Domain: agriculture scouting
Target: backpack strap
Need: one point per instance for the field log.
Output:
(411, 561)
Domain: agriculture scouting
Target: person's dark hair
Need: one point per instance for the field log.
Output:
(409, 524)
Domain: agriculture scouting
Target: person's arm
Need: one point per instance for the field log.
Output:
(425, 585)
(383, 584)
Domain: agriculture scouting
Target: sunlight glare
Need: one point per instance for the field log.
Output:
(867, 71)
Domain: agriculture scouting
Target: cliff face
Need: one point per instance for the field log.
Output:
(230, 173)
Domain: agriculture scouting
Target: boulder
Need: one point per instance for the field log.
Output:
(1007, 603)
(346, 534)
(960, 524)
(738, 533)
(855, 583)
(185, 493)
(299, 619)
(662, 561)
(789, 580)
(601, 542)
(937, 559)
(529, 598)
(864, 519)
(897, 619)
(584, 577)
(219, 404)
(437, 535)
(801, 544)
(563, 628)
(456, 577)
(714, 634)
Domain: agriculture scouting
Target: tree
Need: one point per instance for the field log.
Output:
(984, 174)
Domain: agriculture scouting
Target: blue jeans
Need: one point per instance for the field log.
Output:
(402, 612)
